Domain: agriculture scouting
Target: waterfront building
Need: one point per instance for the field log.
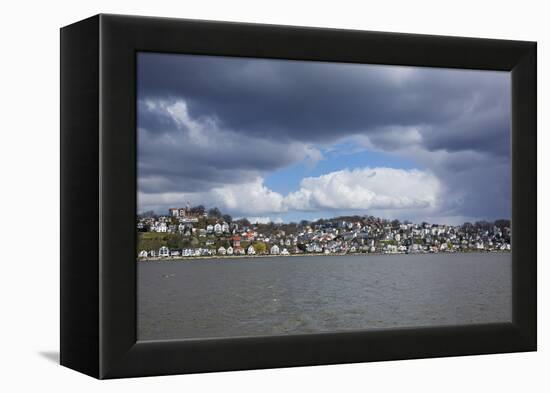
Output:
(164, 251)
(236, 241)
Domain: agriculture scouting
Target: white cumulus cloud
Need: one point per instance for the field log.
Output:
(247, 198)
(362, 189)
(367, 188)
(259, 220)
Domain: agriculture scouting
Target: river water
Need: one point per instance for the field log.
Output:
(292, 295)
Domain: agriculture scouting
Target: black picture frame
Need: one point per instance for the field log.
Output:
(98, 184)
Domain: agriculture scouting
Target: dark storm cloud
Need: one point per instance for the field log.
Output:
(477, 185)
(178, 153)
(316, 102)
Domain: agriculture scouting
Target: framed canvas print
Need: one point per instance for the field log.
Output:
(239, 196)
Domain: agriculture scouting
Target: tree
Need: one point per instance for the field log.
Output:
(202, 222)
(215, 212)
(502, 224)
(290, 228)
(483, 225)
(223, 243)
(227, 218)
(198, 210)
(174, 241)
(243, 222)
(260, 248)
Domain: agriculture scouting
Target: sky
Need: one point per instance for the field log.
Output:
(282, 140)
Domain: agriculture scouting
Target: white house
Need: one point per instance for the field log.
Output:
(164, 251)
(142, 254)
(251, 250)
(218, 228)
(221, 250)
(390, 248)
(229, 250)
(274, 250)
(210, 228)
(152, 253)
(225, 227)
(284, 252)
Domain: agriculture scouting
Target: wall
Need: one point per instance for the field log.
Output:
(29, 94)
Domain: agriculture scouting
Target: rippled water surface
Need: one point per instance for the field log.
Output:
(290, 295)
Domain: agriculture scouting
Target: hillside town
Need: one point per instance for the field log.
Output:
(195, 232)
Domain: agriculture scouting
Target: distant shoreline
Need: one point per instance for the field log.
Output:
(194, 258)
